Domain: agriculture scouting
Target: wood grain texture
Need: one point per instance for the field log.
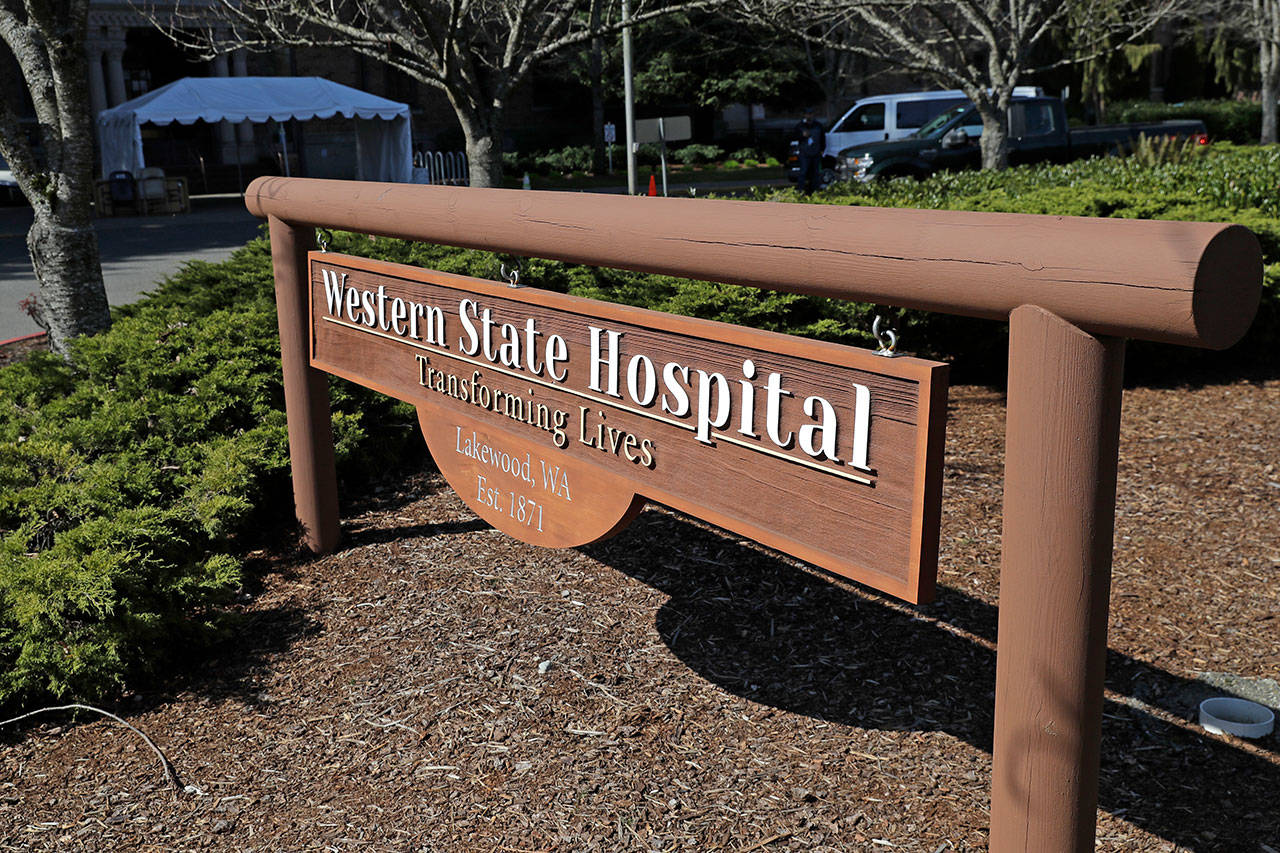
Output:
(1180, 282)
(1059, 513)
(306, 394)
(878, 526)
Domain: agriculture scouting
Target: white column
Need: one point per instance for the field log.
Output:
(115, 74)
(244, 131)
(226, 131)
(97, 81)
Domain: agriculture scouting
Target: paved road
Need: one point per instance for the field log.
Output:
(137, 251)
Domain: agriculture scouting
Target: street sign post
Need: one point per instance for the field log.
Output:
(662, 131)
(610, 137)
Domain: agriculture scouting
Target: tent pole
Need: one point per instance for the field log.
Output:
(300, 142)
(355, 125)
(284, 148)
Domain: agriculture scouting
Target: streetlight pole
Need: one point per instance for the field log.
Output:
(629, 98)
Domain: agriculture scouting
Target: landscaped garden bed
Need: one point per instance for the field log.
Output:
(571, 168)
(437, 685)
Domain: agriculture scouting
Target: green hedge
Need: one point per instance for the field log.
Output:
(812, 316)
(1229, 184)
(1227, 121)
(135, 476)
(577, 158)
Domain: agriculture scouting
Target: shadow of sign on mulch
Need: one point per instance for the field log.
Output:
(760, 628)
(699, 692)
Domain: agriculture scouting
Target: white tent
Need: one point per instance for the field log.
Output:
(384, 148)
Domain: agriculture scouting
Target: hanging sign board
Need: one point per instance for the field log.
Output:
(555, 418)
(666, 129)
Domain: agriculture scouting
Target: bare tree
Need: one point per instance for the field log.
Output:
(1258, 23)
(836, 72)
(1264, 23)
(47, 43)
(475, 51)
(983, 47)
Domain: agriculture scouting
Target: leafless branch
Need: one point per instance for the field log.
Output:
(476, 51)
(940, 37)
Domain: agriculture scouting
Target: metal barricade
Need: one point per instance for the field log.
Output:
(441, 168)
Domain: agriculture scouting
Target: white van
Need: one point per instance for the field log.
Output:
(882, 117)
(8, 186)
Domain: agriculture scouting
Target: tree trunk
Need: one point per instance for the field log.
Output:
(1158, 73)
(484, 153)
(482, 129)
(595, 70)
(64, 255)
(995, 136)
(1269, 61)
(61, 241)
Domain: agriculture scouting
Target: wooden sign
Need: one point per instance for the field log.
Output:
(555, 418)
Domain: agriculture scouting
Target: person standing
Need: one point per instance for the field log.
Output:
(813, 141)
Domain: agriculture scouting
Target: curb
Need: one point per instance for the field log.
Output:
(21, 338)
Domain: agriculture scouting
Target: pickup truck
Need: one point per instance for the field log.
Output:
(1038, 133)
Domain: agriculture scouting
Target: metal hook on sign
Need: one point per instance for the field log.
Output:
(323, 237)
(511, 275)
(888, 339)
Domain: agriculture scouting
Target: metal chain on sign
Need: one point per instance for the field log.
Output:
(888, 339)
(511, 274)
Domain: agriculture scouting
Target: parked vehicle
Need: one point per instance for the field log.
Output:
(882, 117)
(1038, 133)
(9, 191)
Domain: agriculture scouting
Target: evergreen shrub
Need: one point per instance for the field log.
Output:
(568, 159)
(1227, 121)
(1227, 184)
(134, 475)
(572, 158)
(696, 154)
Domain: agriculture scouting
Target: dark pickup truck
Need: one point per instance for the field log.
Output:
(1038, 133)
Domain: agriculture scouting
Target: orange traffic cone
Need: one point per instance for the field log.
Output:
(653, 186)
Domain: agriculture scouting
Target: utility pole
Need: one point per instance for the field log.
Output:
(629, 98)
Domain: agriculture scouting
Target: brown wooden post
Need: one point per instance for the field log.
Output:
(1096, 281)
(306, 392)
(1189, 283)
(1059, 512)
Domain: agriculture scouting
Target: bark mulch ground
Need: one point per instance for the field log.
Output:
(437, 686)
